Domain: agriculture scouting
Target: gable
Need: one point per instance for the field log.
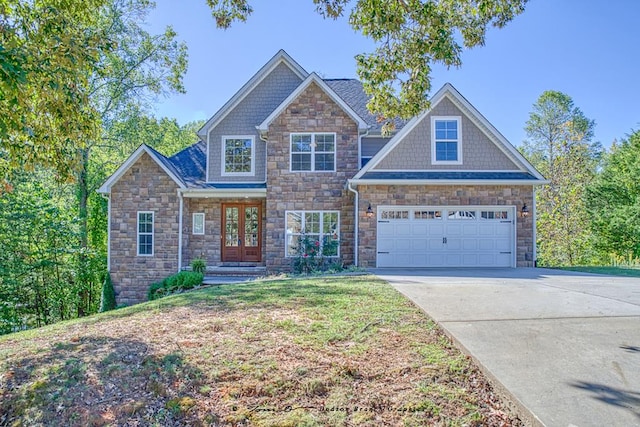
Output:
(162, 164)
(479, 152)
(145, 179)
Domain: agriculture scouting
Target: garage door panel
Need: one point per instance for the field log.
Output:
(479, 239)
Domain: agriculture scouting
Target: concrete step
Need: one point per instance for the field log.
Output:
(229, 271)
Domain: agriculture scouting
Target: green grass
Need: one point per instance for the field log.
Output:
(614, 271)
(314, 351)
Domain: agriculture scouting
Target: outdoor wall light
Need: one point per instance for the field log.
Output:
(525, 211)
(369, 211)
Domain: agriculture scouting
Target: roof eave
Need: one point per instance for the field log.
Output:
(534, 182)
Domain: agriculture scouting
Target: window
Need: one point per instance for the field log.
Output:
(446, 147)
(318, 228)
(313, 152)
(419, 214)
(198, 223)
(237, 155)
(394, 214)
(145, 233)
(494, 214)
(462, 215)
(364, 160)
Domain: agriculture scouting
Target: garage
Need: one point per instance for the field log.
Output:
(454, 236)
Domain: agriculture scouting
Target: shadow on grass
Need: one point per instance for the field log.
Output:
(97, 381)
(626, 399)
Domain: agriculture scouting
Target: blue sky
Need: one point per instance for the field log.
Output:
(585, 48)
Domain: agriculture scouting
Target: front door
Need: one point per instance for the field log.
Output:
(241, 232)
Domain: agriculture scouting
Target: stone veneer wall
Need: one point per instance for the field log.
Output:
(413, 195)
(208, 246)
(144, 187)
(312, 111)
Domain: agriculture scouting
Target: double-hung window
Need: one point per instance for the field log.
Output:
(312, 233)
(446, 145)
(238, 155)
(145, 233)
(313, 152)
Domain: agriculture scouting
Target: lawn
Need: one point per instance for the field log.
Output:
(294, 352)
(614, 271)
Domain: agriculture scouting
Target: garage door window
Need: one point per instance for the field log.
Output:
(494, 214)
(394, 214)
(427, 214)
(462, 215)
(321, 228)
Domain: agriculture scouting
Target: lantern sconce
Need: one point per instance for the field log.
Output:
(369, 211)
(524, 211)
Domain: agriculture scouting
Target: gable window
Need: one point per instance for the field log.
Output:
(317, 231)
(446, 146)
(238, 156)
(145, 233)
(198, 223)
(313, 152)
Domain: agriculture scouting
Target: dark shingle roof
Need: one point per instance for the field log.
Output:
(435, 175)
(351, 92)
(191, 164)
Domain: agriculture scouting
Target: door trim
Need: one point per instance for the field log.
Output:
(239, 253)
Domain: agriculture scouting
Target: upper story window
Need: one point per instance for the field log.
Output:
(313, 152)
(145, 233)
(238, 155)
(446, 145)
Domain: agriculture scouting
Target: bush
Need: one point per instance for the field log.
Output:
(199, 265)
(108, 297)
(175, 283)
(315, 256)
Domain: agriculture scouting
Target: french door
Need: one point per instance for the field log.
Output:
(241, 232)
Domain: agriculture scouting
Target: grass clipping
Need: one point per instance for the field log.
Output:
(297, 352)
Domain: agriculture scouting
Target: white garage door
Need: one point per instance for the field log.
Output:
(461, 236)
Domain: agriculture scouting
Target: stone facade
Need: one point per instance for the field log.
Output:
(209, 245)
(478, 152)
(414, 195)
(144, 187)
(312, 111)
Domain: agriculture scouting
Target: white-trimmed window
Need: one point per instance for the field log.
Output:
(320, 229)
(313, 152)
(145, 233)
(198, 223)
(238, 155)
(446, 142)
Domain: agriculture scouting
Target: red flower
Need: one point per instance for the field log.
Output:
(317, 243)
(304, 256)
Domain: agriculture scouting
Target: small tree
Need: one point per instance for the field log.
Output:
(108, 298)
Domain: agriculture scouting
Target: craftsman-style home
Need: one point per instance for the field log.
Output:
(294, 153)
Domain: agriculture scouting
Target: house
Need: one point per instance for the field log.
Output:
(292, 152)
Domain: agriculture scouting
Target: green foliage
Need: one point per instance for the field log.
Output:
(560, 147)
(47, 50)
(199, 265)
(108, 298)
(313, 255)
(181, 281)
(409, 36)
(613, 201)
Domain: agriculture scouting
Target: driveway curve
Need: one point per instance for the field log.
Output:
(565, 345)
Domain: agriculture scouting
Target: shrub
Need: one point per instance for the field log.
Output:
(199, 265)
(312, 255)
(175, 283)
(108, 297)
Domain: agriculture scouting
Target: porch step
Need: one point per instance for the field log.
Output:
(247, 271)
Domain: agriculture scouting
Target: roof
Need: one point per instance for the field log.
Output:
(352, 92)
(449, 175)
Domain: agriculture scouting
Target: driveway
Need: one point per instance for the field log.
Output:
(565, 345)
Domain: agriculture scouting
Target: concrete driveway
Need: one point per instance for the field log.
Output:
(565, 345)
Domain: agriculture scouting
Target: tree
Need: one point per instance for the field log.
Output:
(560, 147)
(613, 201)
(47, 51)
(410, 36)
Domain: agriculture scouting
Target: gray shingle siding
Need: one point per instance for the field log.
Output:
(244, 118)
(478, 151)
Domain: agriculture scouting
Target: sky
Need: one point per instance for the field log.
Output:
(587, 49)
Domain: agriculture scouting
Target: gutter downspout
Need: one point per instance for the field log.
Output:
(356, 226)
(180, 231)
(535, 222)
